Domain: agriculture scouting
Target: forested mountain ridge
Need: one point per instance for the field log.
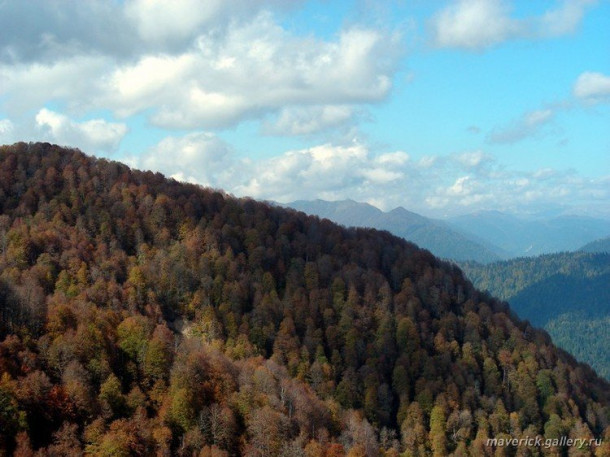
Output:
(299, 337)
(567, 293)
(508, 277)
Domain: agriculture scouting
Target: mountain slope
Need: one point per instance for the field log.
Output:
(561, 292)
(601, 245)
(141, 316)
(520, 236)
(427, 233)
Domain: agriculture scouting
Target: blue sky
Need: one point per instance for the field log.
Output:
(443, 107)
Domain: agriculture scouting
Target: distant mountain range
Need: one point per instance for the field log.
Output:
(434, 235)
(484, 237)
(519, 236)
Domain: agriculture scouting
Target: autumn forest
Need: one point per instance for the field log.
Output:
(143, 316)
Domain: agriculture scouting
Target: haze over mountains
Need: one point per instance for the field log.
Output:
(483, 237)
(533, 236)
(434, 235)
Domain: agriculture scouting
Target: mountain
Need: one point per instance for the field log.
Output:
(531, 236)
(568, 294)
(430, 234)
(602, 245)
(142, 316)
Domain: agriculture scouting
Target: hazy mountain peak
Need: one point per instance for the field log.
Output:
(431, 234)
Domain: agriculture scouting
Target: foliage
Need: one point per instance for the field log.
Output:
(142, 316)
(567, 294)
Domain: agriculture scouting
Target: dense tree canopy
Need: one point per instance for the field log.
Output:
(142, 316)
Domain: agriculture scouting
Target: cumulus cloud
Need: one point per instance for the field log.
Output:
(473, 159)
(199, 157)
(564, 19)
(324, 170)
(516, 191)
(530, 124)
(6, 129)
(96, 135)
(161, 23)
(75, 80)
(254, 69)
(480, 24)
(47, 31)
(474, 24)
(436, 185)
(309, 119)
(122, 29)
(592, 87)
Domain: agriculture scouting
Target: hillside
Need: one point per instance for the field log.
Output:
(142, 316)
(568, 294)
(601, 245)
(519, 236)
(434, 235)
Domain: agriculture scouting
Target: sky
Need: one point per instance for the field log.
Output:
(444, 107)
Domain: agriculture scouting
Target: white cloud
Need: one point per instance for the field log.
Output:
(130, 89)
(473, 159)
(260, 69)
(254, 69)
(308, 119)
(6, 129)
(480, 24)
(398, 158)
(592, 87)
(439, 185)
(474, 24)
(198, 157)
(564, 19)
(459, 187)
(96, 135)
(530, 124)
(122, 29)
(50, 30)
(381, 175)
(161, 22)
(75, 79)
(324, 171)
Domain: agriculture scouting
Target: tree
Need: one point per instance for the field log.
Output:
(158, 355)
(11, 418)
(111, 397)
(438, 439)
(267, 429)
(217, 423)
